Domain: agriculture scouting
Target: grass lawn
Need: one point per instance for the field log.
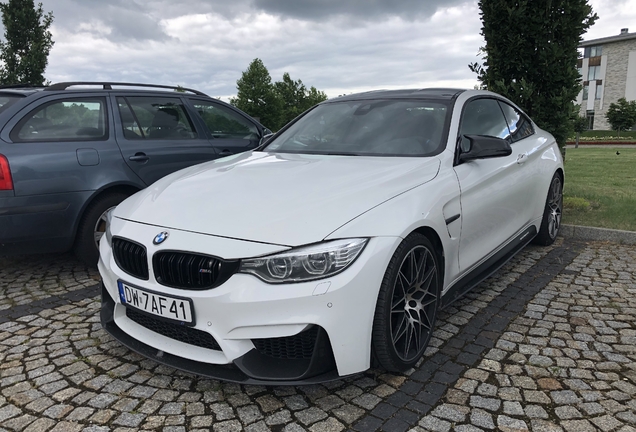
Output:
(600, 188)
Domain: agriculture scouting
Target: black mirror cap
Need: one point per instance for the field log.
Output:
(483, 147)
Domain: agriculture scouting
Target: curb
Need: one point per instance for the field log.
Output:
(599, 234)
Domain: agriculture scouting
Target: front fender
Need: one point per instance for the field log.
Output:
(428, 205)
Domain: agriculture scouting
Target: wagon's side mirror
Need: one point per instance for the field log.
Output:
(265, 139)
(473, 147)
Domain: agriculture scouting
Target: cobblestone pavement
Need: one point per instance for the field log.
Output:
(546, 344)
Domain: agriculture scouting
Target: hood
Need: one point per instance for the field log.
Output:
(277, 198)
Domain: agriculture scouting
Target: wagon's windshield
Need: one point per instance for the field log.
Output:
(367, 128)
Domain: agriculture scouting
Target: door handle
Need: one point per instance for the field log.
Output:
(225, 152)
(139, 157)
(522, 158)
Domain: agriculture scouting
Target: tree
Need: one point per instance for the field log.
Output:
(579, 124)
(295, 97)
(27, 44)
(621, 115)
(256, 95)
(530, 56)
(292, 94)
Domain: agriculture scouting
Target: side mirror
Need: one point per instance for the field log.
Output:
(265, 139)
(474, 147)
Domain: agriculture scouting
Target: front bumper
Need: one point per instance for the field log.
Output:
(244, 311)
(244, 370)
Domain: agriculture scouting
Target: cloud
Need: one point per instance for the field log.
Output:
(338, 46)
(375, 10)
(207, 48)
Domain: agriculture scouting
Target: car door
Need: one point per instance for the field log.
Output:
(494, 191)
(157, 136)
(61, 150)
(229, 130)
(58, 143)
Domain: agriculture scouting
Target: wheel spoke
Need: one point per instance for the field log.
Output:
(398, 306)
(413, 265)
(409, 336)
(397, 334)
(422, 266)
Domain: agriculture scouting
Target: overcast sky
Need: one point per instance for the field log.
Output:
(338, 46)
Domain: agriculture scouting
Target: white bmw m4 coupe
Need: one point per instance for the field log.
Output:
(329, 249)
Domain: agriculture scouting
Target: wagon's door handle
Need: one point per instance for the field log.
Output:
(139, 157)
(522, 158)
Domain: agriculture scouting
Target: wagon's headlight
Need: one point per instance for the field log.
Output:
(306, 263)
(107, 233)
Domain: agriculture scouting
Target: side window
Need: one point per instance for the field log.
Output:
(484, 117)
(225, 123)
(519, 125)
(155, 118)
(64, 120)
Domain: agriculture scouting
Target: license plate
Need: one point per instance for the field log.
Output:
(161, 305)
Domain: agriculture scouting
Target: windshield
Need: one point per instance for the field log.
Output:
(367, 128)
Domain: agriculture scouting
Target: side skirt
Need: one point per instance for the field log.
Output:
(488, 267)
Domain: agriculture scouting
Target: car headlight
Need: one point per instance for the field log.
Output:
(305, 263)
(107, 233)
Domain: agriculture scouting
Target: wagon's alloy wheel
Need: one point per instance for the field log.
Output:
(100, 227)
(413, 304)
(555, 204)
(92, 226)
(407, 304)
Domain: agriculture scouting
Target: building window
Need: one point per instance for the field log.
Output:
(593, 51)
(586, 89)
(593, 73)
(599, 91)
(590, 119)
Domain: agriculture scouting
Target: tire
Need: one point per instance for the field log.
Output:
(93, 223)
(407, 305)
(551, 222)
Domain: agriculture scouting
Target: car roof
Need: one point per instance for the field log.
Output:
(429, 93)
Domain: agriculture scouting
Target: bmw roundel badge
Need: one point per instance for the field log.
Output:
(160, 238)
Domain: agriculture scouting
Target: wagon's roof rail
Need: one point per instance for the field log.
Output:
(109, 86)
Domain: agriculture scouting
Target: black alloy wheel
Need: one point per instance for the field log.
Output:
(407, 305)
(551, 222)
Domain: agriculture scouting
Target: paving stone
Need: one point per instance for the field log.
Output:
(544, 426)
(535, 412)
(489, 404)
(482, 419)
(434, 424)
(509, 424)
(606, 423)
(549, 346)
(578, 426)
(567, 412)
(310, 415)
(454, 413)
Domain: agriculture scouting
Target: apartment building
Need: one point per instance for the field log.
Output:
(608, 70)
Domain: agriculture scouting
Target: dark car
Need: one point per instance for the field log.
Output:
(69, 152)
